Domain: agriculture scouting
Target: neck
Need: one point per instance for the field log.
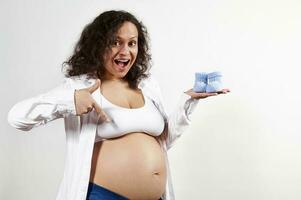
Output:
(114, 81)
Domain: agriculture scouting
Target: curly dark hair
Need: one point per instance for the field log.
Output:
(97, 38)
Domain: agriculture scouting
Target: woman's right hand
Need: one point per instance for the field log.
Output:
(84, 102)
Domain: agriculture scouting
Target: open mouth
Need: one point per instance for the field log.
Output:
(122, 62)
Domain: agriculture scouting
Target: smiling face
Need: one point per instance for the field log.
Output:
(123, 52)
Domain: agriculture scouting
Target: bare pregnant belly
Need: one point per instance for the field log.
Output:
(132, 165)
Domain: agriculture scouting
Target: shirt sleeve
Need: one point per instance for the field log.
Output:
(179, 119)
(43, 108)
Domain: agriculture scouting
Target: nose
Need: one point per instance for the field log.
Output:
(124, 50)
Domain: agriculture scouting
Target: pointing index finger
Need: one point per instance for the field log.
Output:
(100, 112)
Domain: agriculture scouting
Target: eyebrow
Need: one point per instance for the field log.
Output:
(129, 38)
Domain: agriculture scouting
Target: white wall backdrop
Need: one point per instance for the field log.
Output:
(243, 145)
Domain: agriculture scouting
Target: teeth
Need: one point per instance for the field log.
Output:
(121, 60)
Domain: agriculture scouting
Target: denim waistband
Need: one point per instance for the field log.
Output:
(96, 192)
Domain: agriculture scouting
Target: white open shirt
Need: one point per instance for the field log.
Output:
(59, 103)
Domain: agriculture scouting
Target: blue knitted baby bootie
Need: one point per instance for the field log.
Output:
(200, 82)
(214, 82)
(210, 82)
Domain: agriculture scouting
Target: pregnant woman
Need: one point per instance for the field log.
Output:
(117, 129)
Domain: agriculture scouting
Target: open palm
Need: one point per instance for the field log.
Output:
(202, 95)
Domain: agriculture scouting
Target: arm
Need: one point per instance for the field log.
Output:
(178, 120)
(43, 108)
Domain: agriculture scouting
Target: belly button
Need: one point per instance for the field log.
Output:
(156, 173)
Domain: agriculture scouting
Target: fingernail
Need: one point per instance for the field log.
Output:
(108, 120)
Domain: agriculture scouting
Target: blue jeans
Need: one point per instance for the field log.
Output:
(97, 192)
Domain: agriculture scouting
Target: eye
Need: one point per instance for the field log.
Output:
(116, 43)
(132, 43)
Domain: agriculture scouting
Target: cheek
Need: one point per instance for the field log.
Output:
(135, 52)
(108, 56)
(107, 62)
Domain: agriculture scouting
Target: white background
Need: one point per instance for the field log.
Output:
(243, 145)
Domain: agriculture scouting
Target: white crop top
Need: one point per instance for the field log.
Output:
(145, 119)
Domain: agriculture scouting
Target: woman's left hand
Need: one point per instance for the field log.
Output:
(202, 95)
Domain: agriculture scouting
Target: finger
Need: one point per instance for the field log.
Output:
(95, 86)
(203, 95)
(223, 91)
(89, 109)
(210, 94)
(97, 108)
(101, 113)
